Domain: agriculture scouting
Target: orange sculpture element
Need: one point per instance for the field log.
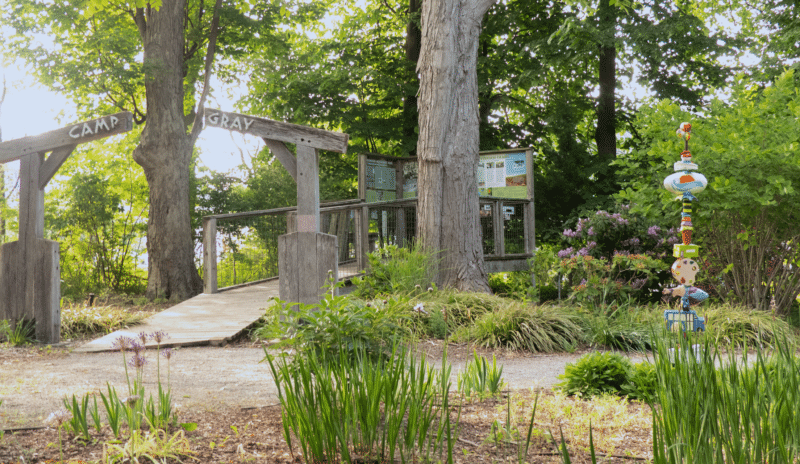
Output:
(686, 179)
(686, 127)
(687, 237)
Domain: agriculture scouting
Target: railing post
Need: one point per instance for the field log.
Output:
(499, 228)
(362, 237)
(210, 255)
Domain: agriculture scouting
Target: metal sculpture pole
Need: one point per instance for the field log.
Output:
(686, 182)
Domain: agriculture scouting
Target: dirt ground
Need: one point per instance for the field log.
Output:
(220, 387)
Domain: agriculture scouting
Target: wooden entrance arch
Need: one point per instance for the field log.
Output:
(305, 255)
(30, 277)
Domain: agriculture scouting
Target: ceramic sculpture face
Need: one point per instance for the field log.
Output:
(685, 270)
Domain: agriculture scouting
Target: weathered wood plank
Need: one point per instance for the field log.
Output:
(47, 295)
(53, 163)
(81, 132)
(288, 284)
(275, 130)
(307, 189)
(12, 294)
(283, 155)
(210, 255)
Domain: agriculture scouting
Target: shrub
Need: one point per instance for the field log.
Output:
(394, 269)
(521, 327)
(481, 378)
(642, 383)
(595, 374)
(621, 327)
(337, 322)
(81, 321)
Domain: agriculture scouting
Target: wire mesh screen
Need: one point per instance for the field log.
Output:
(487, 228)
(342, 224)
(514, 228)
(381, 180)
(247, 248)
(392, 225)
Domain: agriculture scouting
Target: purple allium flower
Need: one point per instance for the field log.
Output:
(143, 337)
(566, 253)
(167, 353)
(122, 343)
(653, 231)
(136, 347)
(591, 245)
(138, 361)
(159, 336)
(590, 231)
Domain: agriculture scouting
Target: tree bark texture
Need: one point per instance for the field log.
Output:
(164, 152)
(606, 131)
(448, 206)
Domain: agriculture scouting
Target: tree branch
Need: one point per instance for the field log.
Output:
(197, 126)
(141, 22)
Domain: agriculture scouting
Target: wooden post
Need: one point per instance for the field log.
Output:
(210, 255)
(530, 213)
(498, 224)
(362, 219)
(307, 189)
(305, 255)
(30, 277)
(400, 218)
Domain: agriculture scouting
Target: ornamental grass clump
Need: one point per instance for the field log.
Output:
(82, 321)
(726, 407)
(517, 326)
(352, 408)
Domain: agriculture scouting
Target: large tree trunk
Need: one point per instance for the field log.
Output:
(448, 143)
(412, 47)
(164, 152)
(606, 131)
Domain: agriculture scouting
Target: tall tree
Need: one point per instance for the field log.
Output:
(447, 211)
(147, 58)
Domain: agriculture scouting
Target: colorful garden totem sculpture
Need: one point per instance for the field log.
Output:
(686, 182)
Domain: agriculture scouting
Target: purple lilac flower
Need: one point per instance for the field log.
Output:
(570, 233)
(583, 282)
(582, 252)
(673, 240)
(591, 245)
(590, 231)
(653, 231)
(622, 221)
(566, 253)
(625, 207)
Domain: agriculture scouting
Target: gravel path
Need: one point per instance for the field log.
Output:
(33, 381)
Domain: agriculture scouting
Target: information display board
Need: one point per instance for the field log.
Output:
(503, 175)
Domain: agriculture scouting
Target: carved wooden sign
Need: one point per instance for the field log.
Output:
(275, 130)
(81, 132)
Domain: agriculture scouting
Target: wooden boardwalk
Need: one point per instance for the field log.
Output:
(207, 319)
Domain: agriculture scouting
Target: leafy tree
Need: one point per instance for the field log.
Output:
(146, 58)
(96, 208)
(746, 218)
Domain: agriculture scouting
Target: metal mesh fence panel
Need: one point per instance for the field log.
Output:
(247, 248)
(514, 228)
(392, 225)
(487, 228)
